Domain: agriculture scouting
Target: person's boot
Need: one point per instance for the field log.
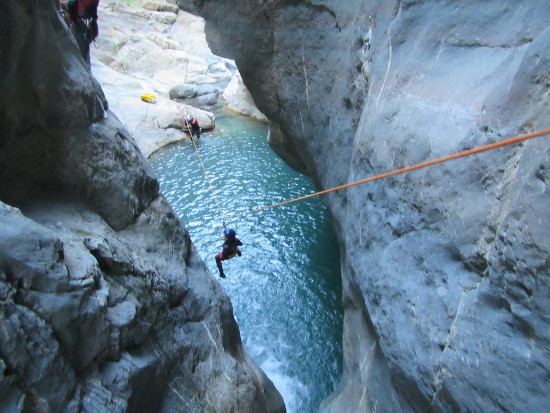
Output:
(222, 274)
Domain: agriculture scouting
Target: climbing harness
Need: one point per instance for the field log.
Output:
(457, 155)
(231, 255)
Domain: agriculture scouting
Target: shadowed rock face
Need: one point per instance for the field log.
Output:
(57, 139)
(105, 304)
(445, 270)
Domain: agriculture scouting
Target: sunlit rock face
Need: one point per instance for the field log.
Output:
(105, 304)
(445, 270)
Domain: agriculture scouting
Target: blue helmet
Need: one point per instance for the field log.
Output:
(230, 233)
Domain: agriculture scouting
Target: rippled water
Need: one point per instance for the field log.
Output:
(285, 288)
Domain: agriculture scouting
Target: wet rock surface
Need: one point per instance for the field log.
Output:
(445, 270)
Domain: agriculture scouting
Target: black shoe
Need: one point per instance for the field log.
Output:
(239, 253)
(222, 274)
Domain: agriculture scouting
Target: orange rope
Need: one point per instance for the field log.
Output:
(462, 154)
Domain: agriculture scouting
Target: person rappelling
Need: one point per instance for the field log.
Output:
(192, 125)
(229, 249)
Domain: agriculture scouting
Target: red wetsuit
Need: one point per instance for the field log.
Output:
(230, 247)
(193, 124)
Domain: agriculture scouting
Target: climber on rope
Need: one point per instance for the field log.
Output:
(193, 126)
(229, 249)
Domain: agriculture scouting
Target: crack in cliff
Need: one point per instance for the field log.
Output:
(463, 43)
(302, 122)
(169, 383)
(320, 7)
(437, 382)
(304, 67)
(487, 244)
(307, 3)
(501, 209)
(390, 51)
(210, 335)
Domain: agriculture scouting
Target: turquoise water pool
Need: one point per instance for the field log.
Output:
(286, 288)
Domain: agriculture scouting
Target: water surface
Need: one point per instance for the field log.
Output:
(285, 289)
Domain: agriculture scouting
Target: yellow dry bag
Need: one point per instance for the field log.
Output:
(149, 98)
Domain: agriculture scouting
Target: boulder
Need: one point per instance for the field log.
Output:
(209, 99)
(207, 89)
(196, 95)
(183, 91)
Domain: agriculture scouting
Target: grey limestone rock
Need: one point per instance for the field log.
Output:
(183, 91)
(196, 95)
(205, 101)
(445, 270)
(105, 306)
(207, 89)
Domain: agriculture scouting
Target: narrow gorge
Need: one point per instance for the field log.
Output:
(446, 270)
(106, 304)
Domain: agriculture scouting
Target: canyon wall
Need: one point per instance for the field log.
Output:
(106, 306)
(445, 270)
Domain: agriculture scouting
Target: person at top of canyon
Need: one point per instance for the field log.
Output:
(82, 19)
(229, 249)
(193, 126)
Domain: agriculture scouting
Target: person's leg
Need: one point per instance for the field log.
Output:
(219, 264)
(83, 45)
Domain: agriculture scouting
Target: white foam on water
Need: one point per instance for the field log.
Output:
(295, 393)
